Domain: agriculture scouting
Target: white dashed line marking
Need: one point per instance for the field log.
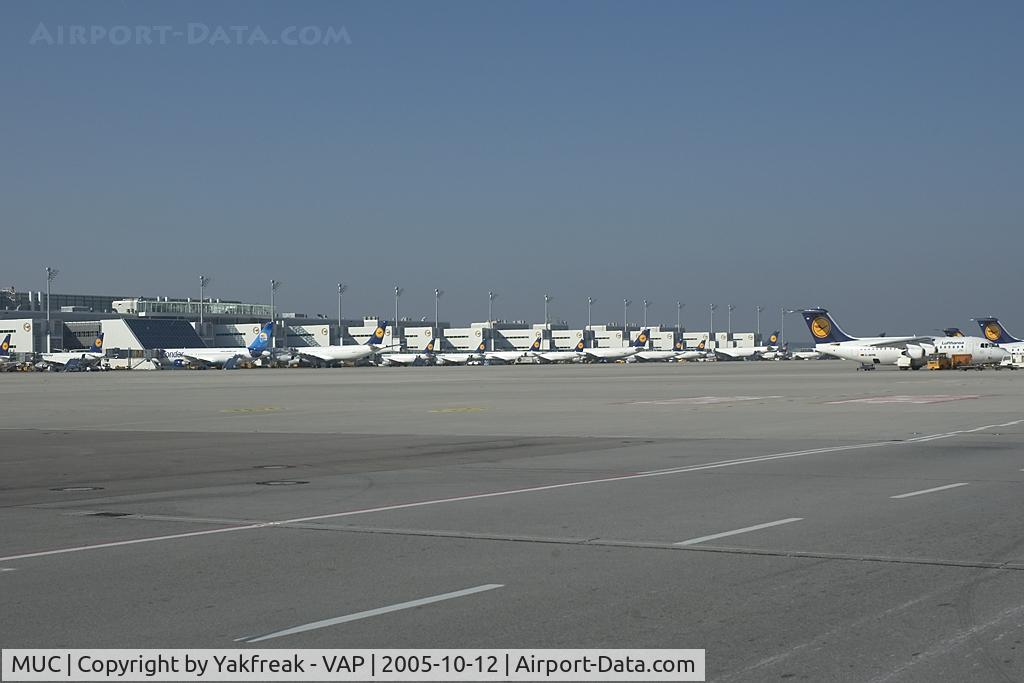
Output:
(937, 488)
(756, 527)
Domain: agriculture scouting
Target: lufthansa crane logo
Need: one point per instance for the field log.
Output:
(773, 339)
(98, 343)
(379, 333)
(27, 327)
(821, 327)
(482, 347)
(263, 336)
(993, 331)
(4, 346)
(642, 339)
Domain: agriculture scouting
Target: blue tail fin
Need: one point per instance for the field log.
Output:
(262, 341)
(773, 339)
(643, 338)
(952, 332)
(5, 346)
(377, 338)
(824, 329)
(581, 345)
(994, 331)
(429, 348)
(535, 346)
(97, 344)
(703, 344)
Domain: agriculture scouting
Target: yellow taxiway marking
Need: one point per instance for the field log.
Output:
(460, 409)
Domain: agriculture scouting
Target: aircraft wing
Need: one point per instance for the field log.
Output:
(312, 352)
(901, 342)
(196, 356)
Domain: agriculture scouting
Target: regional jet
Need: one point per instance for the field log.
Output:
(905, 352)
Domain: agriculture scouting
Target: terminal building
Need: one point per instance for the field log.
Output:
(133, 326)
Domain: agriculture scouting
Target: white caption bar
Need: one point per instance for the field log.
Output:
(352, 665)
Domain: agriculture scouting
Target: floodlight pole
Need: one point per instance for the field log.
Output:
(394, 327)
(274, 286)
(203, 281)
(51, 275)
(437, 295)
(341, 290)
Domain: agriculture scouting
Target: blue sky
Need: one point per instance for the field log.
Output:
(865, 157)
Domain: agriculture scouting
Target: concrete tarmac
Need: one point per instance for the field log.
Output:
(797, 520)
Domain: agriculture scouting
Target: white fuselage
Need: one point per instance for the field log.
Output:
(403, 358)
(656, 356)
(505, 356)
(882, 353)
(336, 354)
(558, 356)
(210, 356)
(458, 358)
(981, 351)
(611, 353)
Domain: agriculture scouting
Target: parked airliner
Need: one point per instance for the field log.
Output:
(343, 353)
(222, 356)
(907, 352)
(90, 357)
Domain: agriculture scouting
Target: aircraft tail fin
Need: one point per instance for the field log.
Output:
(994, 331)
(5, 346)
(773, 339)
(262, 341)
(824, 329)
(377, 338)
(97, 344)
(535, 346)
(643, 338)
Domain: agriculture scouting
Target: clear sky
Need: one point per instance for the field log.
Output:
(862, 156)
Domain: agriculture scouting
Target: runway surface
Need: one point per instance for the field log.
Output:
(797, 520)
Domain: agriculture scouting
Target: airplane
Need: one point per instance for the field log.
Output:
(224, 356)
(692, 354)
(655, 356)
(994, 331)
(779, 353)
(343, 353)
(611, 353)
(557, 356)
(6, 360)
(397, 358)
(512, 356)
(87, 358)
(904, 352)
(462, 357)
(747, 352)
